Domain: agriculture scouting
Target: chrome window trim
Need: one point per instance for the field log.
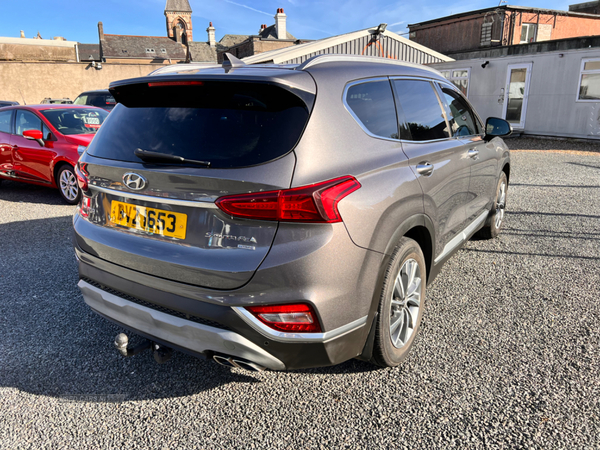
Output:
(282, 336)
(154, 199)
(355, 117)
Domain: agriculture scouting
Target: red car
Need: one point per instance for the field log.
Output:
(40, 144)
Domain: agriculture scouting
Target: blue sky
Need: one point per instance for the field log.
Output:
(308, 19)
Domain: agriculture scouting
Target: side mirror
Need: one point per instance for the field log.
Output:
(34, 135)
(494, 126)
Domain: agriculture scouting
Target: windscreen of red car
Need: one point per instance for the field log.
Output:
(76, 120)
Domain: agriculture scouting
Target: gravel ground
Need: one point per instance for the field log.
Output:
(508, 355)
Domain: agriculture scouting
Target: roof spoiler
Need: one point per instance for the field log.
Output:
(231, 62)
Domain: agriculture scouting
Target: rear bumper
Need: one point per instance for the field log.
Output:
(203, 328)
(195, 337)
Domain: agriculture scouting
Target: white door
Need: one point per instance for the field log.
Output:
(516, 93)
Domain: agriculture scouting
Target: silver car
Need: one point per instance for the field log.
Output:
(283, 217)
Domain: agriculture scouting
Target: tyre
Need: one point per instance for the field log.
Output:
(67, 185)
(401, 304)
(494, 222)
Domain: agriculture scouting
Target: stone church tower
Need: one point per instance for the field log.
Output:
(179, 20)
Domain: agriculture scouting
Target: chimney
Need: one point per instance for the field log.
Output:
(22, 34)
(211, 35)
(280, 24)
(262, 28)
(101, 31)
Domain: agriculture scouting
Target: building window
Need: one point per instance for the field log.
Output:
(486, 34)
(459, 78)
(163, 50)
(589, 81)
(150, 50)
(528, 32)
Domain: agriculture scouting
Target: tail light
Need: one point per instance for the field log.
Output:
(82, 176)
(315, 203)
(298, 317)
(84, 206)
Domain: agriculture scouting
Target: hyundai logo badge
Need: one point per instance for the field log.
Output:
(134, 181)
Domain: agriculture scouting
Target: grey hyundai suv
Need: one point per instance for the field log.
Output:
(282, 216)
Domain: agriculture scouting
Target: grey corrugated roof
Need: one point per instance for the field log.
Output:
(89, 52)
(123, 46)
(229, 40)
(202, 52)
(178, 5)
(270, 33)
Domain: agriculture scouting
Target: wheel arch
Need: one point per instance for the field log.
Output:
(419, 228)
(57, 166)
(506, 170)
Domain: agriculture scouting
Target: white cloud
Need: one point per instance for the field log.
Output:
(247, 7)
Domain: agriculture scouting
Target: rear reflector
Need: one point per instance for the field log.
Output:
(299, 317)
(175, 83)
(315, 203)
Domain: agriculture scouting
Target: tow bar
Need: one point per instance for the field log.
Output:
(161, 353)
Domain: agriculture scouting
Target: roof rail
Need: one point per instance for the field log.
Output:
(334, 57)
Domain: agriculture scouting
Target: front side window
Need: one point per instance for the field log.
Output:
(528, 32)
(422, 112)
(372, 104)
(27, 121)
(5, 118)
(589, 80)
(461, 118)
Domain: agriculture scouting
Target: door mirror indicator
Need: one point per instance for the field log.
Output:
(494, 126)
(34, 135)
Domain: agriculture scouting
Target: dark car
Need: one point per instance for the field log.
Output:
(283, 216)
(100, 98)
(7, 103)
(40, 144)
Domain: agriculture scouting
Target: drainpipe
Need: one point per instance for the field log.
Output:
(77, 52)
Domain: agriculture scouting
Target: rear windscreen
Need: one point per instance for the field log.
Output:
(228, 124)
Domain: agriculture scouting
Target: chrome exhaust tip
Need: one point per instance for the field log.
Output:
(229, 361)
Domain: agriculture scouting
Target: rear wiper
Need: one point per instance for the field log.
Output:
(147, 155)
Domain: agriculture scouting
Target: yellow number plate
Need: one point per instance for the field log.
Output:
(151, 220)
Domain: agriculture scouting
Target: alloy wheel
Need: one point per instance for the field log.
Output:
(68, 185)
(500, 204)
(406, 302)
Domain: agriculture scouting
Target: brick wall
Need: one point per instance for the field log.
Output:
(464, 33)
(31, 82)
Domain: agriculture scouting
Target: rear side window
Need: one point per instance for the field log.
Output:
(372, 105)
(229, 124)
(417, 101)
(5, 117)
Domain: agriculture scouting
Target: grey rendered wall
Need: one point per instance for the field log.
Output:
(385, 47)
(552, 109)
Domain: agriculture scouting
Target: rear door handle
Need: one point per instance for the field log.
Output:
(425, 168)
(473, 153)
